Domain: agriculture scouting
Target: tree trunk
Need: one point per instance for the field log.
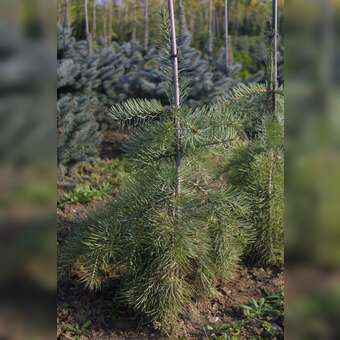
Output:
(134, 24)
(238, 18)
(275, 38)
(176, 98)
(182, 19)
(146, 24)
(94, 20)
(226, 32)
(192, 26)
(105, 33)
(215, 23)
(88, 34)
(230, 51)
(66, 20)
(110, 32)
(210, 28)
(60, 12)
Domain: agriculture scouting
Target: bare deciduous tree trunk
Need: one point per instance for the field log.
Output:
(275, 38)
(66, 20)
(238, 11)
(226, 32)
(94, 20)
(110, 32)
(134, 24)
(126, 15)
(192, 25)
(60, 16)
(176, 98)
(146, 24)
(215, 23)
(88, 34)
(105, 33)
(210, 28)
(230, 51)
(182, 19)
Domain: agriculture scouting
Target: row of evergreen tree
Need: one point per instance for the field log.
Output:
(89, 82)
(91, 77)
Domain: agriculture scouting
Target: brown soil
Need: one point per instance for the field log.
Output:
(247, 283)
(99, 315)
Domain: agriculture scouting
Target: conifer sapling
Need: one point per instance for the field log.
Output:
(164, 259)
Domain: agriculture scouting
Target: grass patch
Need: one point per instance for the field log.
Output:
(96, 181)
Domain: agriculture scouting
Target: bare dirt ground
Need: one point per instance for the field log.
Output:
(100, 315)
(82, 314)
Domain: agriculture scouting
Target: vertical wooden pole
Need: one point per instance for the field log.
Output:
(176, 89)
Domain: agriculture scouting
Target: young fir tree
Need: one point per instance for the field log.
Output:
(77, 102)
(256, 168)
(176, 227)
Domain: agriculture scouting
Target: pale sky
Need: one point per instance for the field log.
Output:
(103, 2)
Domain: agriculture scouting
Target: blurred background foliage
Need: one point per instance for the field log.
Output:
(312, 160)
(27, 169)
(312, 169)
